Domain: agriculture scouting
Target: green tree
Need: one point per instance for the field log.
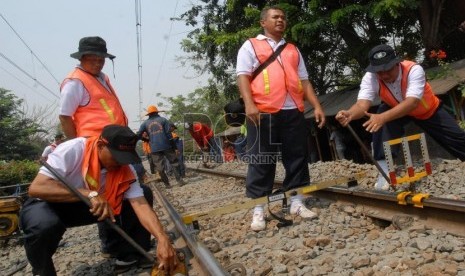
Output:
(333, 36)
(203, 104)
(440, 21)
(16, 130)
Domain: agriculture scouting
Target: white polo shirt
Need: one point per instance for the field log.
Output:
(369, 87)
(74, 94)
(247, 63)
(48, 149)
(67, 161)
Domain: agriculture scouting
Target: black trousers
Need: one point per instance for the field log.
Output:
(283, 132)
(112, 242)
(441, 126)
(44, 224)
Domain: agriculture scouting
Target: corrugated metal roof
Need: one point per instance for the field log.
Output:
(230, 131)
(334, 102)
(443, 85)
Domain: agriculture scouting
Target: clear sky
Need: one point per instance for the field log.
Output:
(52, 29)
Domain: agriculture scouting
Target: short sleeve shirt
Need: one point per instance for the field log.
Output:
(48, 149)
(247, 63)
(369, 87)
(67, 161)
(74, 94)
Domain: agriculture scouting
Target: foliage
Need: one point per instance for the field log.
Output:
(17, 131)
(461, 124)
(444, 70)
(17, 172)
(333, 36)
(203, 104)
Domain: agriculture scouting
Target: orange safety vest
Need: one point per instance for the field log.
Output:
(146, 147)
(270, 87)
(428, 103)
(117, 182)
(201, 134)
(228, 153)
(103, 108)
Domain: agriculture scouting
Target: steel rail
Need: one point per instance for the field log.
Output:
(15, 185)
(440, 213)
(205, 258)
(110, 223)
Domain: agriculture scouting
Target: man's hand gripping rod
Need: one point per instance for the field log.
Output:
(107, 220)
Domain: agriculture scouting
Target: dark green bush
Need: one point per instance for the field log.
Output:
(16, 172)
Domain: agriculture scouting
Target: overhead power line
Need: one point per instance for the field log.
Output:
(29, 75)
(27, 46)
(25, 84)
(139, 51)
(164, 51)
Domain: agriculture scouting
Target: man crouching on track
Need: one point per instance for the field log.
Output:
(98, 168)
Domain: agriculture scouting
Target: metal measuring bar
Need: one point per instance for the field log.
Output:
(411, 175)
(231, 208)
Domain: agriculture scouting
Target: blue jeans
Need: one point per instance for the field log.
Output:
(240, 146)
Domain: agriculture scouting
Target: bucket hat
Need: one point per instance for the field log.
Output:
(92, 45)
(382, 58)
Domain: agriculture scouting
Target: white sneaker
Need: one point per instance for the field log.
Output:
(299, 209)
(258, 221)
(381, 184)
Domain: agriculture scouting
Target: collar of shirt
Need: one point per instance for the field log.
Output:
(273, 43)
(100, 76)
(395, 86)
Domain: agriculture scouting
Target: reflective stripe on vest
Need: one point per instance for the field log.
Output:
(270, 87)
(428, 103)
(103, 108)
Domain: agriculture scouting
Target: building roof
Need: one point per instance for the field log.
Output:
(230, 131)
(333, 102)
(454, 78)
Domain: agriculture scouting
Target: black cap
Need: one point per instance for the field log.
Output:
(382, 58)
(235, 113)
(92, 45)
(59, 135)
(121, 141)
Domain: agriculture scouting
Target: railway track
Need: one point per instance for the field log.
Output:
(358, 232)
(350, 214)
(438, 213)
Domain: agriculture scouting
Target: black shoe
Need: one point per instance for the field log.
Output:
(181, 182)
(125, 264)
(144, 263)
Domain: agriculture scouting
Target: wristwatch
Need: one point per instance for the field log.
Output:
(92, 194)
